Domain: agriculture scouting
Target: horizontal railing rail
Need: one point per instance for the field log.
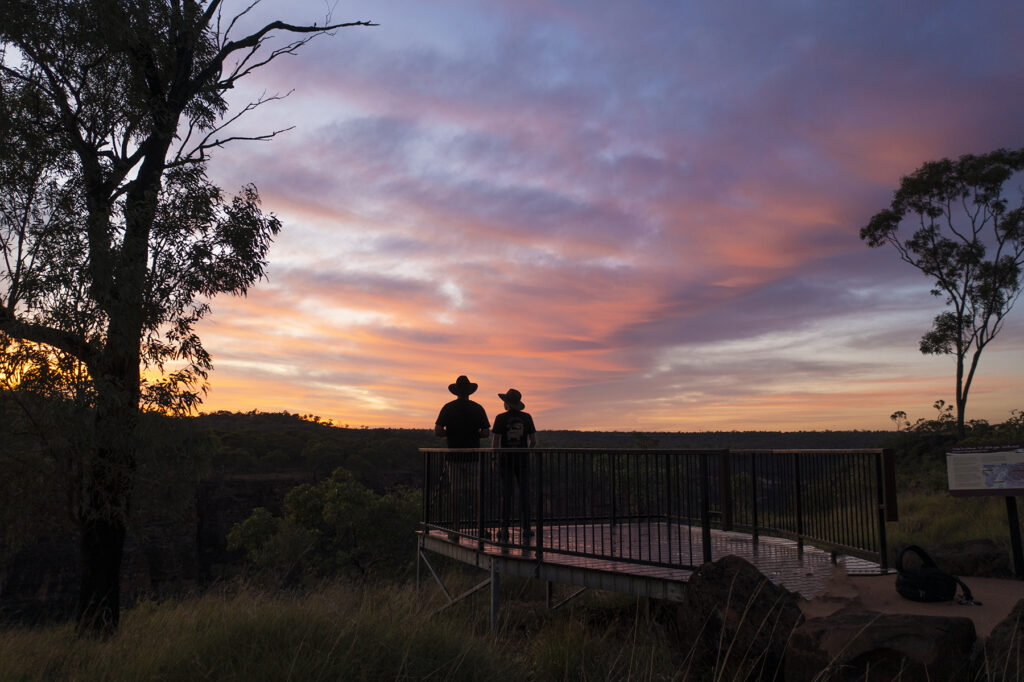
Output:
(658, 507)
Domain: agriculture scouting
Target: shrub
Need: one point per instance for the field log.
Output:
(337, 526)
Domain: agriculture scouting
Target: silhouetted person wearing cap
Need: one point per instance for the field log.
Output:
(463, 423)
(514, 428)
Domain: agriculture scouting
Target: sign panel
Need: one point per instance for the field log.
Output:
(986, 471)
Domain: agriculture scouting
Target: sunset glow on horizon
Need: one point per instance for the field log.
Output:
(642, 216)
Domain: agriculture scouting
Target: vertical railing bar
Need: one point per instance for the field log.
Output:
(725, 489)
(426, 492)
(850, 492)
(866, 540)
(540, 509)
(753, 496)
(799, 504)
(705, 524)
(835, 476)
(613, 470)
(628, 503)
(669, 459)
(883, 550)
(480, 500)
(849, 487)
(661, 471)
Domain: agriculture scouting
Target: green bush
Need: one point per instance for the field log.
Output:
(335, 527)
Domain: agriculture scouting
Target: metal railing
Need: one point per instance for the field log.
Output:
(659, 507)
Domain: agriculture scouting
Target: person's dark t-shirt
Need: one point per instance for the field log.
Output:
(463, 419)
(514, 427)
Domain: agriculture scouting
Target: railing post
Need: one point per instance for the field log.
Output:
(1015, 545)
(883, 549)
(705, 507)
(799, 504)
(426, 491)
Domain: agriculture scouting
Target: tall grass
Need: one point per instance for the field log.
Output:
(334, 633)
(939, 518)
(341, 632)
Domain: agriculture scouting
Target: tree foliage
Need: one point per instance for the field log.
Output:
(966, 233)
(337, 526)
(113, 237)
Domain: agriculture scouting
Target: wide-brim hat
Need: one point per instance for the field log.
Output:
(462, 386)
(514, 399)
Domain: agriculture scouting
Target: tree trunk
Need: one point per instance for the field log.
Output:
(101, 551)
(961, 395)
(108, 482)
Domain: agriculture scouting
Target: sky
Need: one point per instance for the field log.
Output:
(644, 216)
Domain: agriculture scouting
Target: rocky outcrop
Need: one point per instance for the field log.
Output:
(979, 558)
(855, 644)
(737, 622)
(1004, 648)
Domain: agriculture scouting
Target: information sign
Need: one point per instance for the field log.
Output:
(986, 471)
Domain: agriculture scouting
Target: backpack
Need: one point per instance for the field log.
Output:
(515, 431)
(929, 583)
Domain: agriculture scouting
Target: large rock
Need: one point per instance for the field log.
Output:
(981, 558)
(1004, 648)
(856, 644)
(735, 622)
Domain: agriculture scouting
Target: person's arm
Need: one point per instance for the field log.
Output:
(495, 440)
(439, 430)
(532, 439)
(485, 425)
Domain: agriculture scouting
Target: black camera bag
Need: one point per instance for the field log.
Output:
(928, 583)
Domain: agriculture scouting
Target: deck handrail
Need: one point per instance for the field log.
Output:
(659, 506)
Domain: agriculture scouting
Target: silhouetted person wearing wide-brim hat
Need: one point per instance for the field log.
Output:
(462, 423)
(514, 429)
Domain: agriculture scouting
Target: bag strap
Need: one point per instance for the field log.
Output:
(926, 561)
(968, 598)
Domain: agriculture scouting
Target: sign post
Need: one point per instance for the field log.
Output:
(997, 470)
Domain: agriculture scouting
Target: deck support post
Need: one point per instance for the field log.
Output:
(495, 582)
(419, 564)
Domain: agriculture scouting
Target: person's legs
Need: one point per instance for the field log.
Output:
(525, 502)
(508, 481)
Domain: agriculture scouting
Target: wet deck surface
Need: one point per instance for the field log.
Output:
(617, 549)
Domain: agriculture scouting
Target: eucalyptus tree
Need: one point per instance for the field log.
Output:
(961, 223)
(114, 239)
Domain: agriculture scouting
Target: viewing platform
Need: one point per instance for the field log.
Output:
(640, 522)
